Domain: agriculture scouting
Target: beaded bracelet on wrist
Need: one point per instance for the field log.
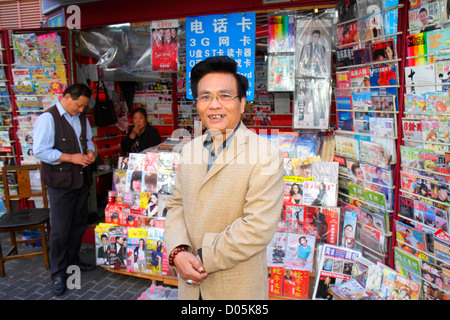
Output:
(174, 252)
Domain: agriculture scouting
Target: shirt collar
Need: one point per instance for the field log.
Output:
(63, 111)
(208, 143)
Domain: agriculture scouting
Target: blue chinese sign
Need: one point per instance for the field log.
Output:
(230, 35)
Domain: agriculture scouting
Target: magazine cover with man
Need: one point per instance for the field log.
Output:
(314, 43)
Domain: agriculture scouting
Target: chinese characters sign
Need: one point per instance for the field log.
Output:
(230, 35)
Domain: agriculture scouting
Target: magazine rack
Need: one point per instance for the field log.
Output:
(30, 81)
(367, 124)
(7, 110)
(424, 174)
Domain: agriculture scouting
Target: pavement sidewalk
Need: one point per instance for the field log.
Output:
(27, 279)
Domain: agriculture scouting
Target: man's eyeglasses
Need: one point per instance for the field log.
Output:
(222, 98)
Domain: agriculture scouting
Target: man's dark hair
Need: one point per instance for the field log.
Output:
(423, 10)
(77, 90)
(222, 64)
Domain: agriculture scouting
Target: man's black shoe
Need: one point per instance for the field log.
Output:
(59, 286)
(86, 267)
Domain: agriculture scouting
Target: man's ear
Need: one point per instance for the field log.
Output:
(243, 102)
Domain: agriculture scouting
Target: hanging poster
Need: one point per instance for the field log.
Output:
(281, 75)
(165, 45)
(230, 35)
(281, 33)
(312, 103)
(313, 46)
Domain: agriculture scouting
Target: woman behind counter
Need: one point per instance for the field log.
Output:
(141, 135)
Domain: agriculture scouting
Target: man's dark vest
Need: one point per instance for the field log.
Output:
(65, 174)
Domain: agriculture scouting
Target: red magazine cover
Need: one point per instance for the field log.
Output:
(165, 45)
(275, 276)
(166, 118)
(323, 223)
(347, 34)
(382, 50)
(295, 283)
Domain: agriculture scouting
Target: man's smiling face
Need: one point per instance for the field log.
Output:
(220, 115)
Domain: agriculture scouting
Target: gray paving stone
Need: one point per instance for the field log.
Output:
(27, 279)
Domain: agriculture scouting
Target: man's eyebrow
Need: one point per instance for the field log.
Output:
(218, 91)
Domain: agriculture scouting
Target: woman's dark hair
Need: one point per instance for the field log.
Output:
(300, 191)
(136, 176)
(141, 110)
(221, 64)
(77, 90)
(354, 167)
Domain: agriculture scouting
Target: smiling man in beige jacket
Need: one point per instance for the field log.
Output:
(228, 194)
